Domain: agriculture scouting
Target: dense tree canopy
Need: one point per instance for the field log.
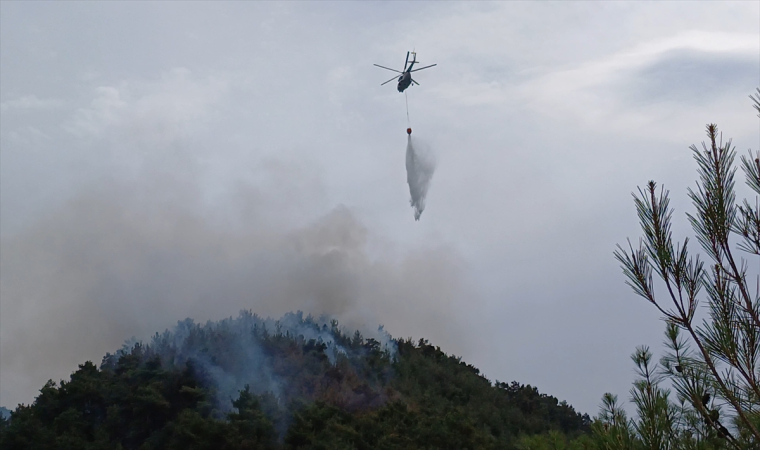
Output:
(333, 392)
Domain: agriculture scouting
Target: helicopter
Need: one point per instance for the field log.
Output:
(405, 79)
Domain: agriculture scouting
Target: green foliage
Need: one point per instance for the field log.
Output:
(166, 395)
(443, 403)
(660, 424)
(712, 364)
(138, 404)
(554, 440)
(612, 429)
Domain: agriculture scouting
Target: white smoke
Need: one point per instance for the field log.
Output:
(420, 165)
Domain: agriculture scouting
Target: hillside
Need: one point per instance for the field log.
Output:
(294, 383)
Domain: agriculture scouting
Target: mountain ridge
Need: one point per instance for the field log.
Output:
(295, 383)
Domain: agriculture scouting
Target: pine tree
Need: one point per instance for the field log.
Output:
(713, 364)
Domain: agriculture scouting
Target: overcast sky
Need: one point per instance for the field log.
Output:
(168, 160)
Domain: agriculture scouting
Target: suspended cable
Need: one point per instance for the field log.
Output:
(408, 122)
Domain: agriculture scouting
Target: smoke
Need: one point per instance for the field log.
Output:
(234, 353)
(420, 166)
(124, 259)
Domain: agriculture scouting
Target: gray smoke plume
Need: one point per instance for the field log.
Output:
(232, 353)
(124, 259)
(420, 165)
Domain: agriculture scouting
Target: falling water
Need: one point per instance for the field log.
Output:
(420, 166)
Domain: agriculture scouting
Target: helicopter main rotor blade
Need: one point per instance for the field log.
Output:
(423, 67)
(394, 78)
(407, 60)
(387, 68)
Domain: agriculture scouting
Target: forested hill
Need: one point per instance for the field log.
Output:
(295, 383)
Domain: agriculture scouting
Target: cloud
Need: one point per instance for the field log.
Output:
(31, 102)
(637, 88)
(693, 77)
(156, 111)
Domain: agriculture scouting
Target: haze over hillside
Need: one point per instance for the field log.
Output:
(292, 383)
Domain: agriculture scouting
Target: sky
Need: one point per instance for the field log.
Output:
(167, 160)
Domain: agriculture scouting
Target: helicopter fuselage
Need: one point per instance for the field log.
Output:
(404, 80)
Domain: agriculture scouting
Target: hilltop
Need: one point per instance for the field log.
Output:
(293, 383)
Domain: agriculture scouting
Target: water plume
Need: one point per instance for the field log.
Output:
(420, 166)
